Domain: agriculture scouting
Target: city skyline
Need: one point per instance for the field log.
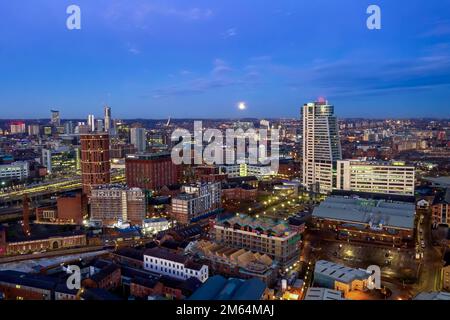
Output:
(274, 57)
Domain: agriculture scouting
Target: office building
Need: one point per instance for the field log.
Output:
(95, 165)
(375, 176)
(19, 170)
(99, 125)
(138, 139)
(266, 236)
(151, 171)
(321, 147)
(34, 130)
(166, 263)
(17, 127)
(114, 204)
(91, 123)
(373, 218)
(196, 201)
(60, 161)
(55, 119)
(247, 170)
(69, 127)
(107, 119)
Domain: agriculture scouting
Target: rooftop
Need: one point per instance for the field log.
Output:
(374, 212)
(442, 197)
(433, 296)
(28, 279)
(149, 156)
(323, 294)
(166, 255)
(439, 181)
(277, 228)
(338, 272)
(219, 288)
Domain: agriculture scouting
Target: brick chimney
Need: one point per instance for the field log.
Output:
(26, 216)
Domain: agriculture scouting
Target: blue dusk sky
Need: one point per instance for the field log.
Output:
(199, 58)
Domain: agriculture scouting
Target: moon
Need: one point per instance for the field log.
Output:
(242, 106)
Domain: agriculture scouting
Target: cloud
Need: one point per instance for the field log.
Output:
(352, 77)
(133, 49)
(440, 29)
(140, 11)
(222, 75)
(229, 33)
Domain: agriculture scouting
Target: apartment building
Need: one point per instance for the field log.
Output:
(111, 204)
(164, 262)
(196, 201)
(266, 236)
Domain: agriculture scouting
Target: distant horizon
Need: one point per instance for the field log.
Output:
(224, 118)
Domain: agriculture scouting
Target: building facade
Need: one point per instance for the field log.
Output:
(440, 208)
(18, 170)
(373, 219)
(180, 267)
(196, 202)
(321, 147)
(151, 171)
(95, 164)
(113, 204)
(375, 176)
(138, 139)
(265, 236)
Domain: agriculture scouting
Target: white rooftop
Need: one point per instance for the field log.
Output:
(323, 294)
(384, 213)
(433, 296)
(339, 272)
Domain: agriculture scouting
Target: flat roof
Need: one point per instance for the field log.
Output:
(439, 181)
(220, 288)
(323, 294)
(387, 213)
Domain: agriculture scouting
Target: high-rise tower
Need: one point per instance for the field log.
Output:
(107, 119)
(321, 146)
(55, 120)
(138, 139)
(95, 165)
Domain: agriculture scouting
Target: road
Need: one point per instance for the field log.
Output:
(431, 264)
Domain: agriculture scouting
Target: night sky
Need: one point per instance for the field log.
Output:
(188, 59)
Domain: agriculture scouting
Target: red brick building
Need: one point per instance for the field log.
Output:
(108, 278)
(69, 208)
(68, 211)
(151, 171)
(95, 165)
(441, 207)
(142, 288)
(242, 192)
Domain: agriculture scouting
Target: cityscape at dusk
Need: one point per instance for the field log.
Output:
(248, 152)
